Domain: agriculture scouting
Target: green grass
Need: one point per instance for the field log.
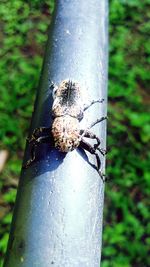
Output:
(23, 36)
(127, 228)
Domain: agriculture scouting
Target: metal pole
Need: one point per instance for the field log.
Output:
(58, 214)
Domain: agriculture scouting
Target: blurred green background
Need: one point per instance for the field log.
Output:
(126, 236)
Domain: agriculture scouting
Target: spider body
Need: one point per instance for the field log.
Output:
(66, 133)
(67, 111)
(68, 100)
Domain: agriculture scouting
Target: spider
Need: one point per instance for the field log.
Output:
(67, 111)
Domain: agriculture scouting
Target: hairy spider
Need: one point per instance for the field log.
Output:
(67, 110)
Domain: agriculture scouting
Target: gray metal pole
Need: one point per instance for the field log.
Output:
(58, 214)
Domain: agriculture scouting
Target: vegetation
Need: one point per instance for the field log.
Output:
(126, 236)
(127, 227)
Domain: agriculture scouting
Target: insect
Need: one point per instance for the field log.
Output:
(67, 111)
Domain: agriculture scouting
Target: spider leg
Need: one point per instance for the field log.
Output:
(97, 121)
(89, 134)
(93, 124)
(90, 149)
(102, 151)
(54, 88)
(37, 133)
(43, 139)
(93, 102)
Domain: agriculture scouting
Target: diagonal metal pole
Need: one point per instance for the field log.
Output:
(57, 219)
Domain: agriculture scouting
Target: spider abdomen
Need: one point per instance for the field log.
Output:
(66, 133)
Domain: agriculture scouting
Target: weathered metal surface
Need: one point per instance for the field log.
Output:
(58, 214)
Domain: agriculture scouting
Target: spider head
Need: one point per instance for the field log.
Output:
(66, 133)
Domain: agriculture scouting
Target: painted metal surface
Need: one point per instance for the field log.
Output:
(58, 214)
